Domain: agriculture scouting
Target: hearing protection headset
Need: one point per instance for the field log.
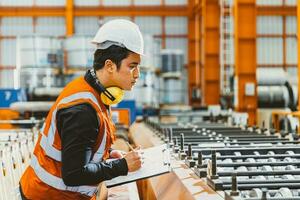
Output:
(110, 95)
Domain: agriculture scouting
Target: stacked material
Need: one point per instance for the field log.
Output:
(16, 148)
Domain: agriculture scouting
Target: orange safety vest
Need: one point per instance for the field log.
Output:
(43, 178)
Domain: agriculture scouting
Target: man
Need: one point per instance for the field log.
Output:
(69, 158)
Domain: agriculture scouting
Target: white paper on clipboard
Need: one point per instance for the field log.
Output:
(156, 162)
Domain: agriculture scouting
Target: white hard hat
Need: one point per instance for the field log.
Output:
(120, 32)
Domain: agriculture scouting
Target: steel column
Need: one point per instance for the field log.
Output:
(245, 57)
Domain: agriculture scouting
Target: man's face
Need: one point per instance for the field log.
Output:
(128, 73)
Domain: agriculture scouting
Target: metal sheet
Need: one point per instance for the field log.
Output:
(269, 2)
(87, 2)
(78, 43)
(176, 2)
(16, 26)
(291, 25)
(149, 25)
(52, 26)
(116, 2)
(172, 60)
(150, 47)
(272, 96)
(106, 19)
(176, 25)
(147, 2)
(86, 25)
(292, 73)
(50, 3)
(269, 25)
(291, 2)
(269, 51)
(80, 51)
(291, 51)
(8, 57)
(270, 76)
(173, 92)
(16, 2)
(7, 78)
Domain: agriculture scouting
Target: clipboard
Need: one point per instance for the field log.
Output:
(156, 162)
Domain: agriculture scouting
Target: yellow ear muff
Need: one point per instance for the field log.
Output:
(116, 92)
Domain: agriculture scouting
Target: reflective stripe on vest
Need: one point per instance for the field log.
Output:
(47, 141)
(57, 182)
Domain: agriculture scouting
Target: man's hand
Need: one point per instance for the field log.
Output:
(133, 160)
(117, 154)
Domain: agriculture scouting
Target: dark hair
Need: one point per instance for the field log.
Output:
(114, 53)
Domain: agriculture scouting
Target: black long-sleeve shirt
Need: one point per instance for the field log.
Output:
(78, 128)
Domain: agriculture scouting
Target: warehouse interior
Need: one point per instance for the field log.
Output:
(218, 85)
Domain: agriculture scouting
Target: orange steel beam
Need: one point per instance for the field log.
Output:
(277, 65)
(274, 10)
(277, 10)
(31, 11)
(163, 34)
(284, 53)
(210, 86)
(194, 44)
(164, 10)
(0, 42)
(163, 28)
(298, 39)
(245, 57)
(69, 18)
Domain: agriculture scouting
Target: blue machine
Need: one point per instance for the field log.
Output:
(8, 96)
(129, 104)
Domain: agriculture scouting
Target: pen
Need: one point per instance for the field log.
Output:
(130, 147)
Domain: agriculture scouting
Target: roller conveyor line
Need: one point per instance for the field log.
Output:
(264, 163)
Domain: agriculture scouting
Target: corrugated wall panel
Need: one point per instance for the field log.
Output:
(16, 26)
(50, 3)
(291, 51)
(291, 2)
(147, 2)
(269, 51)
(7, 59)
(291, 25)
(149, 25)
(86, 25)
(87, 2)
(7, 78)
(80, 51)
(105, 19)
(8, 53)
(175, 2)
(176, 25)
(178, 43)
(292, 73)
(269, 2)
(16, 2)
(269, 25)
(52, 26)
(116, 2)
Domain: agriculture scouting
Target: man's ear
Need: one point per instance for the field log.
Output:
(110, 66)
